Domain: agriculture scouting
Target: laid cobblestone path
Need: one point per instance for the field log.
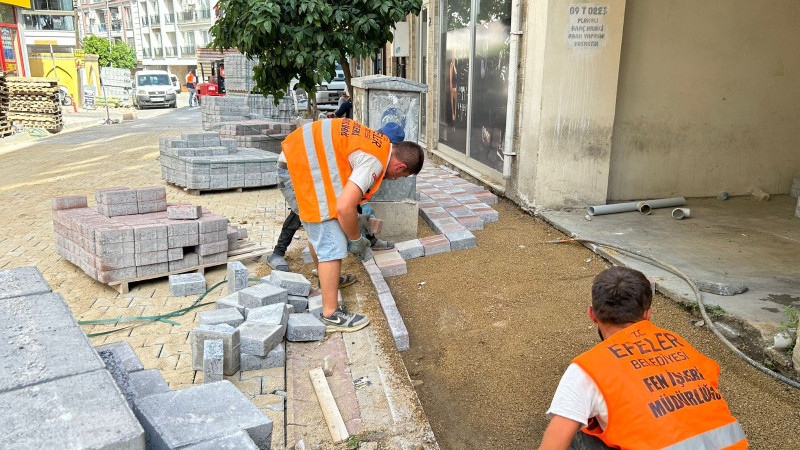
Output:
(125, 154)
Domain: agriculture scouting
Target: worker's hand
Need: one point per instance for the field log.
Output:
(363, 224)
(358, 247)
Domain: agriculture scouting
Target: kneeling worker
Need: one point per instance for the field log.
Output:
(324, 171)
(643, 387)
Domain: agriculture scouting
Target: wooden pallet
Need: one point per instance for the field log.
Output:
(243, 253)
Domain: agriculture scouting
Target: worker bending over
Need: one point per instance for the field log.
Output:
(643, 387)
(325, 170)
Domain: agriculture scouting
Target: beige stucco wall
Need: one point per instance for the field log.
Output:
(709, 99)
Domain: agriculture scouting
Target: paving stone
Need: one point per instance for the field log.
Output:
(231, 301)
(410, 249)
(390, 263)
(32, 357)
(275, 314)
(80, 411)
(307, 258)
(435, 244)
(259, 338)
(125, 353)
(228, 316)
(230, 341)
(299, 303)
(22, 281)
(396, 325)
(187, 284)
(487, 214)
(275, 358)
(261, 295)
(460, 240)
(40, 313)
(184, 212)
(69, 202)
(213, 248)
(294, 283)
(315, 306)
(237, 276)
(148, 382)
(120, 375)
(212, 360)
(201, 413)
(304, 328)
(235, 441)
(471, 223)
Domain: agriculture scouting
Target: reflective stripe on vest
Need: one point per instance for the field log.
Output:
(317, 159)
(660, 392)
(722, 437)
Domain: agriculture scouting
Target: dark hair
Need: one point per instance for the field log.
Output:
(621, 295)
(410, 154)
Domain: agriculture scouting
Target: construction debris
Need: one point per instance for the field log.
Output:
(33, 102)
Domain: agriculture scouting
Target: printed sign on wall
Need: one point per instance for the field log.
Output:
(586, 28)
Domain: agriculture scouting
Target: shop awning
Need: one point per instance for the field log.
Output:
(21, 3)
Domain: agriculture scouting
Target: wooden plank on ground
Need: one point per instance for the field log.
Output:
(328, 405)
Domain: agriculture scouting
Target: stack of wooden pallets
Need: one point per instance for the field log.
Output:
(33, 102)
(5, 124)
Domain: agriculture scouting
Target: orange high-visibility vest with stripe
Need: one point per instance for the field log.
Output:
(316, 157)
(661, 393)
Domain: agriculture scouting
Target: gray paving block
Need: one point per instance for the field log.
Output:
(410, 249)
(22, 281)
(148, 382)
(187, 284)
(315, 306)
(230, 341)
(237, 276)
(201, 413)
(275, 314)
(229, 316)
(261, 295)
(307, 258)
(299, 303)
(259, 338)
(80, 411)
(294, 283)
(184, 212)
(275, 358)
(396, 326)
(304, 328)
(461, 240)
(212, 360)
(231, 301)
(32, 357)
(36, 313)
(125, 353)
(235, 441)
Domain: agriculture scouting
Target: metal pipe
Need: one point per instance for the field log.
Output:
(634, 206)
(511, 103)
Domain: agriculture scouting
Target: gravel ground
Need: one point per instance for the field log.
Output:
(493, 328)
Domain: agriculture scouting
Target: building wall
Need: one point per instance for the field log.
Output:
(42, 65)
(711, 104)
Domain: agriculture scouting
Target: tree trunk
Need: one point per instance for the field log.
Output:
(347, 75)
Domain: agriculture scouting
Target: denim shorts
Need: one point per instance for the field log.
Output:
(327, 238)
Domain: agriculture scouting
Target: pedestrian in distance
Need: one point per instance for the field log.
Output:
(326, 168)
(191, 86)
(642, 387)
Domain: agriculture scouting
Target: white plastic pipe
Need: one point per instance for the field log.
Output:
(634, 206)
(511, 103)
(680, 213)
(646, 206)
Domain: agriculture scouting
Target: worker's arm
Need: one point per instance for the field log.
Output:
(346, 210)
(559, 433)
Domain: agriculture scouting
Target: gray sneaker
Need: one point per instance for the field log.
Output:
(344, 321)
(277, 262)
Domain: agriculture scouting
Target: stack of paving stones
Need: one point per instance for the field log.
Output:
(239, 73)
(116, 84)
(5, 124)
(204, 161)
(215, 110)
(115, 242)
(33, 102)
(55, 390)
(250, 324)
(260, 134)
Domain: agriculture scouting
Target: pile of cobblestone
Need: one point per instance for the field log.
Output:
(116, 242)
(239, 73)
(260, 134)
(238, 107)
(203, 161)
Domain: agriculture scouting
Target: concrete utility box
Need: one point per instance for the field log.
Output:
(378, 100)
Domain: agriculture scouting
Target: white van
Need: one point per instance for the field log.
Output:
(175, 83)
(153, 88)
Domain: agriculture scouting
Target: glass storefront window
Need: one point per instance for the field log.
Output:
(47, 22)
(52, 5)
(486, 42)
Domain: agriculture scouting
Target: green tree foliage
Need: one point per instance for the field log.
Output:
(302, 39)
(118, 54)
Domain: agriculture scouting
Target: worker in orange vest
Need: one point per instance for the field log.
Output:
(643, 387)
(326, 168)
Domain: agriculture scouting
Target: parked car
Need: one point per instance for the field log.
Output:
(328, 91)
(176, 83)
(153, 88)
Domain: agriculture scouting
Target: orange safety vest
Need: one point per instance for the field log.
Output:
(316, 157)
(190, 78)
(661, 393)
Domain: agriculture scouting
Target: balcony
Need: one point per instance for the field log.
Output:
(116, 25)
(146, 53)
(102, 28)
(169, 19)
(195, 16)
(171, 52)
(155, 20)
(158, 53)
(145, 22)
(188, 50)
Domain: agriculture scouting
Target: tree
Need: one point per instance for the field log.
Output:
(118, 54)
(302, 39)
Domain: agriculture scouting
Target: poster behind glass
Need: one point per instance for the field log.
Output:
(490, 83)
(456, 37)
